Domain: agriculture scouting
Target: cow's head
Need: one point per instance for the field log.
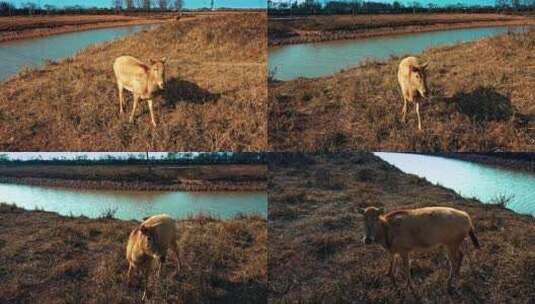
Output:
(371, 223)
(150, 242)
(157, 71)
(417, 78)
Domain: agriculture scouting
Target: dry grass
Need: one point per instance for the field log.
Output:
(337, 27)
(215, 97)
(482, 100)
(316, 255)
(47, 258)
(24, 27)
(140, 177)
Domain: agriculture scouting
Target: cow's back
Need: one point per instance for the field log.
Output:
(165, 227)
(426, 227)
(131, 73)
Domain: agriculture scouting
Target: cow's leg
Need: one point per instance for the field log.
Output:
(404, 111)
(407, 269)
(151, 112)
(129, 274)
(121, 100)
(392, 269)
(455, 257)
(177, 253)
(134, 108)
(418, 114)
(147, 269)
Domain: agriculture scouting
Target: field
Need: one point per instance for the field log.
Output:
(316, 254)
(24, 27)
(47, 258)
(215, 96)
(337, 27)
(482, 99)
(140, 177)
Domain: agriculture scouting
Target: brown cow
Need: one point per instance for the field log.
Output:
(140, 79)
(402, 231)
(148, 243)
(413, 83)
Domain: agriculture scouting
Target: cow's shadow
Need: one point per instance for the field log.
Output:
(483, 104)
(177, 90)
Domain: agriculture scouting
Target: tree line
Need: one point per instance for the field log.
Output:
(7, 8)
(171, 158)
(311, 7)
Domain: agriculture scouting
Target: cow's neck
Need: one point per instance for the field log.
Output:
(383, 235)
(151, 86)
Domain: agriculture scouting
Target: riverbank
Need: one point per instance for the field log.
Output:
(84, 260)
(315, 232)
(493, 111)
(313, 29)
(214, 98)
(140, 177)
(25, 27)
(512, 161)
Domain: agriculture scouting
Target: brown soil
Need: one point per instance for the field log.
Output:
(316, 255)
(360, 108)
(140, 177)
(47, 258)
(24, 27)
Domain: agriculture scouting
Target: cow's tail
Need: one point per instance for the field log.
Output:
(473, 237)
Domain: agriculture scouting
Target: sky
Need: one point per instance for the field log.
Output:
(424, 2)
(190, 4)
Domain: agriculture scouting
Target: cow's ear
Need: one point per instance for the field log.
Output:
(360, 210)
(144, 229)
(424, 65)
(163, 59)
(381, 210)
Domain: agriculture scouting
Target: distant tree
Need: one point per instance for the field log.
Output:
(179, 5)
(117, 5)
(163, 4)
(147, 5)
(6, 8)
(30, 7)
(397, 6)
(49, 8)
(129, 4)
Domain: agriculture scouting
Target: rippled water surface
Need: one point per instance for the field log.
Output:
(470, 179)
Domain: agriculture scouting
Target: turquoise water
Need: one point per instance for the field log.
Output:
(134, 204)
(470, 179)
(326, 58)
(34, 52)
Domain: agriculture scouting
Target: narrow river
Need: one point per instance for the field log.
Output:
(134, 204)
(470, 179)
(34, 52)
(326, 58)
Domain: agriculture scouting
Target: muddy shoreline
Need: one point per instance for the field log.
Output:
(186, 185)
(337, 35)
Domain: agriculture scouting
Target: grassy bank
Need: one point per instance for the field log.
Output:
(338, 27)
(215, 96)
(48, 258)
(360, 108)
(25, 27)
(316, 254)
(140, 177)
